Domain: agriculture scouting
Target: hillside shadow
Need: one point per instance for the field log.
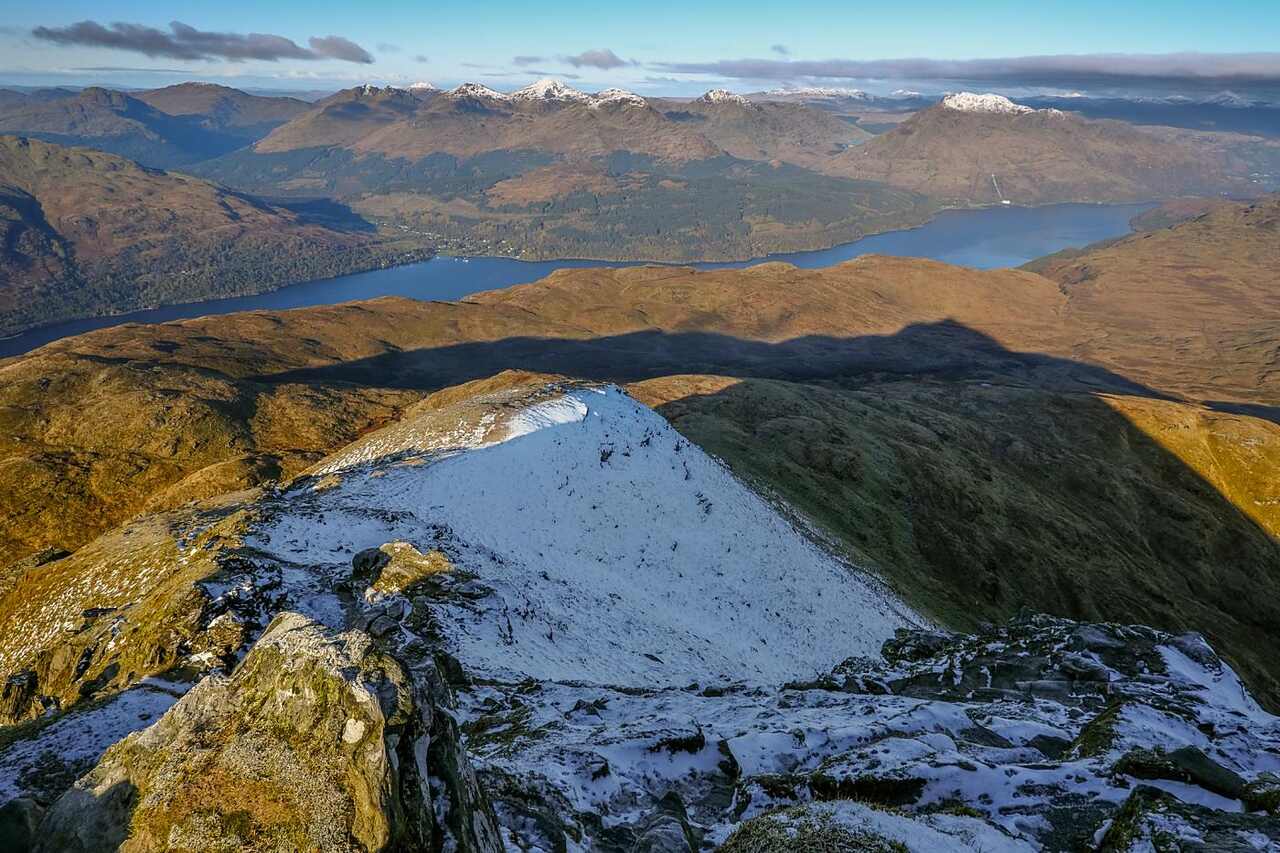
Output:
(327, 212)
(1065, 506)
(980, 500)
(946, 349)
(1253, 410)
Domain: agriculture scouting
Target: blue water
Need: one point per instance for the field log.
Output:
(986, 239)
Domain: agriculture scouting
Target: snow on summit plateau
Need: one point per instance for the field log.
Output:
(970, 102)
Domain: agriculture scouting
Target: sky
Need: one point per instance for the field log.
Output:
(655, 46)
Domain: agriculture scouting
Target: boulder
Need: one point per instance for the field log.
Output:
(317, 740)
(1185, 764)
(394, 568)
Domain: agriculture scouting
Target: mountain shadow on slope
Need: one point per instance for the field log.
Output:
(945, 350)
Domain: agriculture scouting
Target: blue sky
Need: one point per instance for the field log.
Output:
(667, 46)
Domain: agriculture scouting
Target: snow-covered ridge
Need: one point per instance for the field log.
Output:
(723, 96)
(969, 102)
(619, 97)
(820, 92)
(423, 85)
(604, 547)
(549, 89)
(477, 90)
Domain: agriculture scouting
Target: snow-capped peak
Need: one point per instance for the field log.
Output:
(478, 90)
(723, 96)
(548, 89)
(617, 96)
(423, 85)
(969, 102)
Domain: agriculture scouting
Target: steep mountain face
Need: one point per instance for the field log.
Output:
(89, 233)
(984, 149)
(630, 650)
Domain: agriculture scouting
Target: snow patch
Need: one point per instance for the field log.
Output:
(562, 410)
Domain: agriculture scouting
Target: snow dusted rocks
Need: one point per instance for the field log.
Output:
(1013, 739)
(724, 96)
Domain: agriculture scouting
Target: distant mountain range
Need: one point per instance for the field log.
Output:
(165, 128)
(551, 172)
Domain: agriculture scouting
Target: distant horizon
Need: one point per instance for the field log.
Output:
(663, 48)
(1260, 93)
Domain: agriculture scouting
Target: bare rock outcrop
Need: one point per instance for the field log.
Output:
(318, 740)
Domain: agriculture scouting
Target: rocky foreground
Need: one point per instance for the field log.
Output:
(532, 616)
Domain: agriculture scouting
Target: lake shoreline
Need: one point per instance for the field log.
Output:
(983, 237)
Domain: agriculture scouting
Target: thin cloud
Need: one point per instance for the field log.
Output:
(421, 57)
(337, 47)
(385, 47)
(1037, 69)
(528, 60)
(780, 49)
(186, 42)
(604, 59)
(537, 72)
(112, 69)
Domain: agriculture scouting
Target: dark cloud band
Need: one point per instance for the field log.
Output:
(1028, 69)
(187, 42)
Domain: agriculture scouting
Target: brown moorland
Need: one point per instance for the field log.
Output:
(984, 439)
(1038, 157)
